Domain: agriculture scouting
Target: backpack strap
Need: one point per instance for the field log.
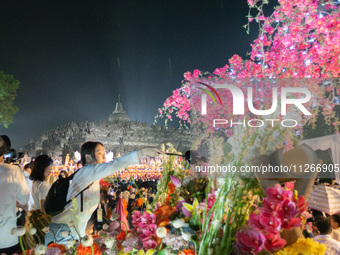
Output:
(81, 192)
(81, 197)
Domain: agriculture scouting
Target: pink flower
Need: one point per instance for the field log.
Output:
(250, 2)
(187, 76)
(271, 223)
(278, 194)
(150, 230)
(149, 244)
(148, 218)
(136, 218)
(186, 212)
(254, 221)
(196, 73)
(270, 205)
(274, 242)
(250, 241)
(211, 200)
(176, 181)
(288, 210)
(113, 226)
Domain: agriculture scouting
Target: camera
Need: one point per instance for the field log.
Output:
(12, 156)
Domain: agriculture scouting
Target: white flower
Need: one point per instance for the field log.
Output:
(186, 236)
(87, 241)
(161, 232)
(109, 242)
(33, 231)
(178, 223)
(46, 230)
(40, 249)
(70, 244)
(71, 224)
(65, 234)
(105, 227)
(18, 231)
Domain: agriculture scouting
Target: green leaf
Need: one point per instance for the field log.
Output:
(194, 222)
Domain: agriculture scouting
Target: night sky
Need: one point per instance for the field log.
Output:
(73, 57)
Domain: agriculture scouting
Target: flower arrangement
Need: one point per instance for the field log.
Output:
(280, 210)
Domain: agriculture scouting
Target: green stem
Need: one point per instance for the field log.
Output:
(21, 245)
(195, 244)
(205, 207)
(160, 247)
(39, 240)
(92, 249)
(126, 227)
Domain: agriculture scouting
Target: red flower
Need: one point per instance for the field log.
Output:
(274, 242)
(82, 250)
(292, 223)
(301, 204)
(59, 246)
(186, 252)
(121, 236)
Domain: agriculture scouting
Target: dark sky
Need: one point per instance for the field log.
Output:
(73, 57)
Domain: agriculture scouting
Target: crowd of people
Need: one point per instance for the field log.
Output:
(27, 189)
(24, 190)
(326, 230)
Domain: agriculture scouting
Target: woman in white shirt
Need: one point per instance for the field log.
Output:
(37, 216)
(94, 169)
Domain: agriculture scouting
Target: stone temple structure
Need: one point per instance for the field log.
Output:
(119, 135)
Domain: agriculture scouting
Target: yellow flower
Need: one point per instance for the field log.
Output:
(141, 252)
(151, 252)
(303, 247)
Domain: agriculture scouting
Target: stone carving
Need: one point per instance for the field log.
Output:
(119, 135)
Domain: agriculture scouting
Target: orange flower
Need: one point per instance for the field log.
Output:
(163, 213)
(171, 187)
(59, 246)
(82, 250)
(186, 252)
(139, 202)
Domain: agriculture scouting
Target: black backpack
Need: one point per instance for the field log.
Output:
(55, 200)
